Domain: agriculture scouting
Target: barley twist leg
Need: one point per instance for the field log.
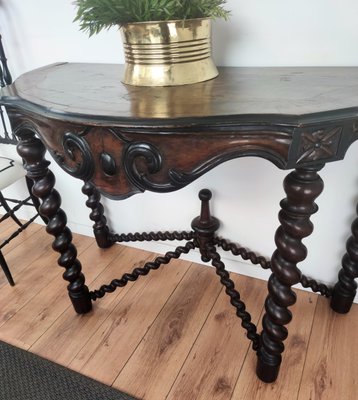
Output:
(33, 151)
(100, 228)
(346, 288)
(302, 186)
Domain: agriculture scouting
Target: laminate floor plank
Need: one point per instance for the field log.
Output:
(8, 227)
(9, 224)
(118, 336)
(163, 350)
(65, 338)
(43, 309)
(31, 274)
(287, 385)
(214, 363)
(5, 225)
(21, 240)
(332, 358)
(27, 252)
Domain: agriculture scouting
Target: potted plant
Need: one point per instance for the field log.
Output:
(166, 42)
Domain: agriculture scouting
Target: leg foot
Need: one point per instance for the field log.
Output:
(267, 370)
(341, 304)
(81, 302)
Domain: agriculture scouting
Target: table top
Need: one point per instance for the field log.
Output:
(76, 91)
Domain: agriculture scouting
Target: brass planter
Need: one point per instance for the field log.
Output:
(168, 53)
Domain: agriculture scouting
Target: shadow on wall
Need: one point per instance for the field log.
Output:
(223, 32)
(8, 24)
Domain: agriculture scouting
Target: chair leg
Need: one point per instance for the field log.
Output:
(6, 270)
(7, 208)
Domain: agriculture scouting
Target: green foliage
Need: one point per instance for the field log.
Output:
(95, 15)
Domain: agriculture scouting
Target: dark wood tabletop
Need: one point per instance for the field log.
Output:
(95, 92)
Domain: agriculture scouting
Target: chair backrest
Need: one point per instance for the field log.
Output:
(6, 136)
(5, 76)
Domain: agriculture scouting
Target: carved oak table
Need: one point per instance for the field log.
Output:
(121, 140)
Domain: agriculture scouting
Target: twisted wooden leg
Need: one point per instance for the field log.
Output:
(100, 228)
(33, 151)
(346, 288)
(302, 186)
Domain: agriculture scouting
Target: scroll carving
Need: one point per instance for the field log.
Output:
(142, 160)
(122, 161)
(79, 160)
(139, 157)
(170, 161)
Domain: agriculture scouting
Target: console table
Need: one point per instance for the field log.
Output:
(121, 140)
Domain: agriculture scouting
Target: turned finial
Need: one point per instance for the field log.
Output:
(205, 196)
(205, 225)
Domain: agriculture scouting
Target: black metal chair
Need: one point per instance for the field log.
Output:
(11, 171)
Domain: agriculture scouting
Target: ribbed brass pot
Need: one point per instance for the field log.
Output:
(168, 53)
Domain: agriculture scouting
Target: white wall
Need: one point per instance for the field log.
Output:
(246, 191)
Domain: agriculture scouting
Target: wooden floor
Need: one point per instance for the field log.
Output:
(172, 334)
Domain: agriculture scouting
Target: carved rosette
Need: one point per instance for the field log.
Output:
(318, 145)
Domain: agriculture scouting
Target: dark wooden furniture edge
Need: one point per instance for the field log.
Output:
(123, 156)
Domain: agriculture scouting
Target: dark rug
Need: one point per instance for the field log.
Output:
(25, 376)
